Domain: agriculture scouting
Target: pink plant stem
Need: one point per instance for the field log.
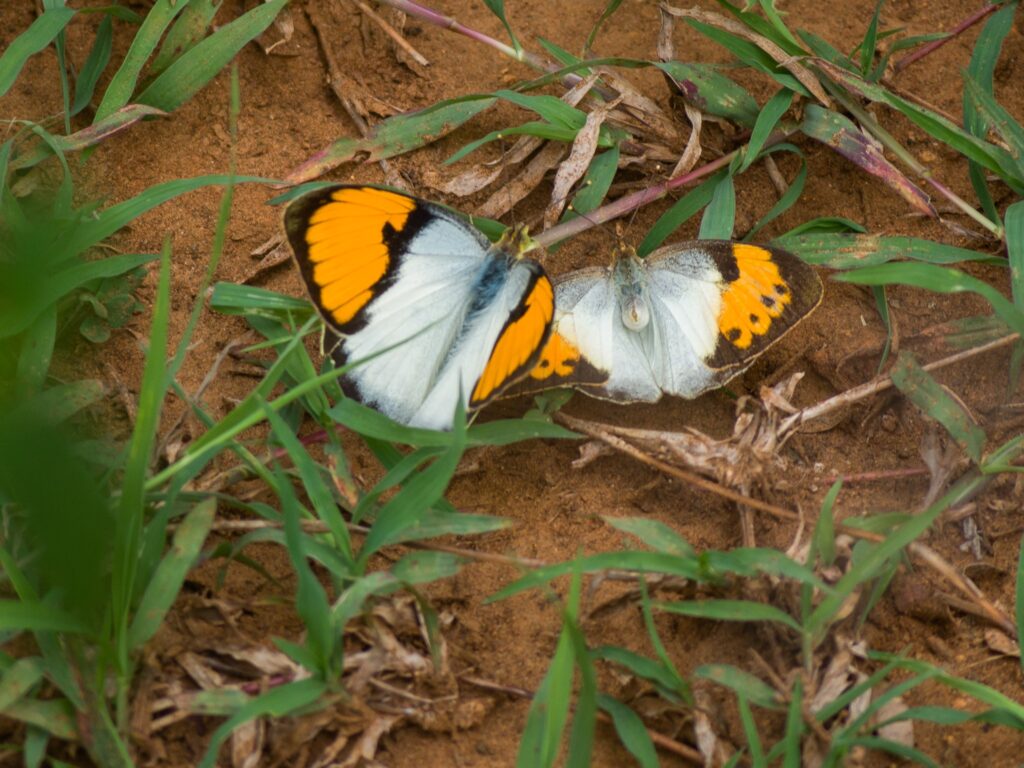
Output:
(924, 50)
(446, 22)
(627, 204)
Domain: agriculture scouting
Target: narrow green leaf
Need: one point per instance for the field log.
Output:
(751, 55)
(18, 679)
(163, 588)
(1019, 598)
(189, 28)
(730, 610)
(940, 279)
(17, 616)
(681, 211)
(200, 64)
(285, 700)
(131, 510)
(928, 395)
(783, 204)
(840, 250)
(826, 224)
(36, 352)
(824, 539)
(95, 64)
(595, 183)
(498, 9)
(707, 89)
(767, 119)
(122, 85)
(757, 759)
(609, 9)
(40, 34)
(55, 716)
(867, 46)
(394, 136)
(653, 533)
(720, 215)
(664, 678)
(743, 683)
(882, 304)
(792, 755)
(1002, 122)
(424, 566)
(631, 730)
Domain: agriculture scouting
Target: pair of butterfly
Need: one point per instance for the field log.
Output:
(436, 313)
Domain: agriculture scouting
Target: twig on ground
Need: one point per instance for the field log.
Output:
(393, 33)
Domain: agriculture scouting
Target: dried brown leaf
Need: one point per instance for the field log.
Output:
(691, 154)
(247, 744)
(573, 167)
(650, 115)
(902, 731)
(1001, 643)
(366, 747)
(502, 200)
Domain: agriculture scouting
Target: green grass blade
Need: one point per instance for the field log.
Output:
(631, 731)
(659, 674)
(653, 533)
(595, 184)
(751, 55)
(279, 702)
(1001, 121)
(681, 211)
(40, 34)
(877, 555)
(940, 279)
(189, 28)
(707, 89)
(20, 316)
(730, 610)
(310, 600)
(791, 753)
(767, 119)
(1014, 223)
(1019, 597)
(170, 574)
(720, 216)
(36, 353)
(19, 616)
(128, 528)
(609, 9)
(95, 64)
(867, 45)
(982, 69)
(122, 85)
(110, 220)
(55, 716)
(394, 136)
(744, 684)
(784, 203)
(757, 758)
(497, 7)
(927, 394)
(18, 679)
(199, 65)
(840, 250)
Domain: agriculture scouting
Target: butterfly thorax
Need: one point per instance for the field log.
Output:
(630, 279)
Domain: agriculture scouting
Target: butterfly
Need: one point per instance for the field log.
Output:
(430, 310)
(681, 321)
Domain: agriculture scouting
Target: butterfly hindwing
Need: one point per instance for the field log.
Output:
(765, 292)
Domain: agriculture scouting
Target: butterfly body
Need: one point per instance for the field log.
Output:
(422, 301)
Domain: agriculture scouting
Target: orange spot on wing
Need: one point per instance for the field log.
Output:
(346, 246)
(519, 341)
(754, 299)
(558, 358)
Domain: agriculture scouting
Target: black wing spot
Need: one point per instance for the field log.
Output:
(754, 319)
(733, 334)
(782, 289)
(768, 301)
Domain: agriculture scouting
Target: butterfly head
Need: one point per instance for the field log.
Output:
(516, 242)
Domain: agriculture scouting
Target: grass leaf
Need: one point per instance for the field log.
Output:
(684, 208)
(121, 87)
(40, 34)
(767, 119)
(729, 610)
(720, 215)
(928, 395)
(200, 64)
(631, 731)
(1014, 222)
(840, 250)
(95, 64)
(189, 28)
(707, 89)
(394, 136)
(170, 574)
